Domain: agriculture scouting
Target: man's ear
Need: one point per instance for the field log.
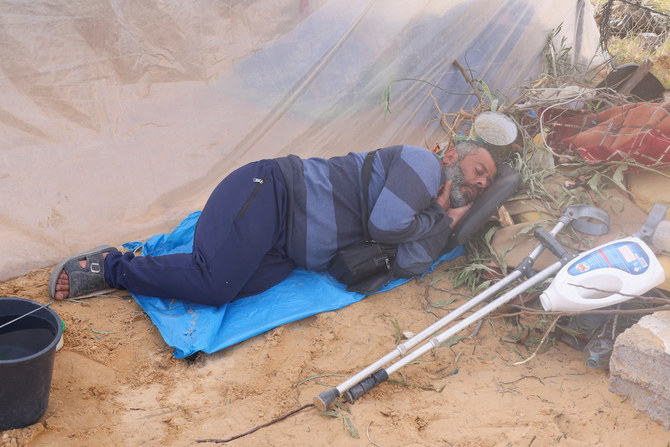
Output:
(450, 157)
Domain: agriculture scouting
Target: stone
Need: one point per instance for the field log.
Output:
(640, 366)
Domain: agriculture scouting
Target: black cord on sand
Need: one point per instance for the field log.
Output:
(280, 418)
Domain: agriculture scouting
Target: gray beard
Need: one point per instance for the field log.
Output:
(455, 174)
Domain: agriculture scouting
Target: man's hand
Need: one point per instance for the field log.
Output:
(443, 200)
(457, 214)
(443, 195)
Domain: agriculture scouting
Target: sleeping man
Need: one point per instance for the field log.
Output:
(271, 216)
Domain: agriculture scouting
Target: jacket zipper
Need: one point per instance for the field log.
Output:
(259, 184)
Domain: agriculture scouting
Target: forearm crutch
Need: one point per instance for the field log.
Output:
(581, 217)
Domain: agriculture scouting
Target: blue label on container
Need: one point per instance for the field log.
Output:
(626, 256)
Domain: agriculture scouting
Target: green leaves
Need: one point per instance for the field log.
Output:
(618, 176)
(340, 411)
(440, 304)
(451, 341)
(594, 181)
(386, 100)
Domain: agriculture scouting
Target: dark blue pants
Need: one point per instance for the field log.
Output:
(239, 245)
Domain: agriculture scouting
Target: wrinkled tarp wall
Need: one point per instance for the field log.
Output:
(118, 118)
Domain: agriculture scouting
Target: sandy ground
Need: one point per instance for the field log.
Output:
(116, 383)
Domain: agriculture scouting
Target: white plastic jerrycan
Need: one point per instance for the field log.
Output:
(603, 276)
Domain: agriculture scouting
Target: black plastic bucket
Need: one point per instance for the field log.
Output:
(27, 353)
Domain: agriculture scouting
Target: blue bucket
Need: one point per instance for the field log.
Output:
(27, 353)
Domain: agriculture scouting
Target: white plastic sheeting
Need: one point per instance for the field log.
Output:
(118, 117)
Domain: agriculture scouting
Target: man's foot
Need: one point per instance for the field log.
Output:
(63, 283)
(80, 274)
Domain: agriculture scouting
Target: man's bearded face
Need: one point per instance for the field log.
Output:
(462, 192)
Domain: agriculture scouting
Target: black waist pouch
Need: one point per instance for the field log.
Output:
(364, 266)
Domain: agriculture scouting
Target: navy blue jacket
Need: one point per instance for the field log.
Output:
(324, 206)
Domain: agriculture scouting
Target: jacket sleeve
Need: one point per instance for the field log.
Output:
(414, 258)
(405, 212)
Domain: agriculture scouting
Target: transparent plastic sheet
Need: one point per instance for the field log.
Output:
(117, 119)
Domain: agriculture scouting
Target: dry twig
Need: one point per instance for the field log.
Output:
(280, 418)
(469, 80)
(544, 338)
(367, 432)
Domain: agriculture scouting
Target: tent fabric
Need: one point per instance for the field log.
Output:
(190, 328)
(119, 118)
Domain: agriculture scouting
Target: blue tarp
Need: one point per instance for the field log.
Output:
(191, 328)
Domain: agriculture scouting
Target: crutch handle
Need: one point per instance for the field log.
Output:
(550, 243)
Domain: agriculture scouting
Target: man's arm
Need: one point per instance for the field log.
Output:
(405, 209)
(416, 257)
(410, 211)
